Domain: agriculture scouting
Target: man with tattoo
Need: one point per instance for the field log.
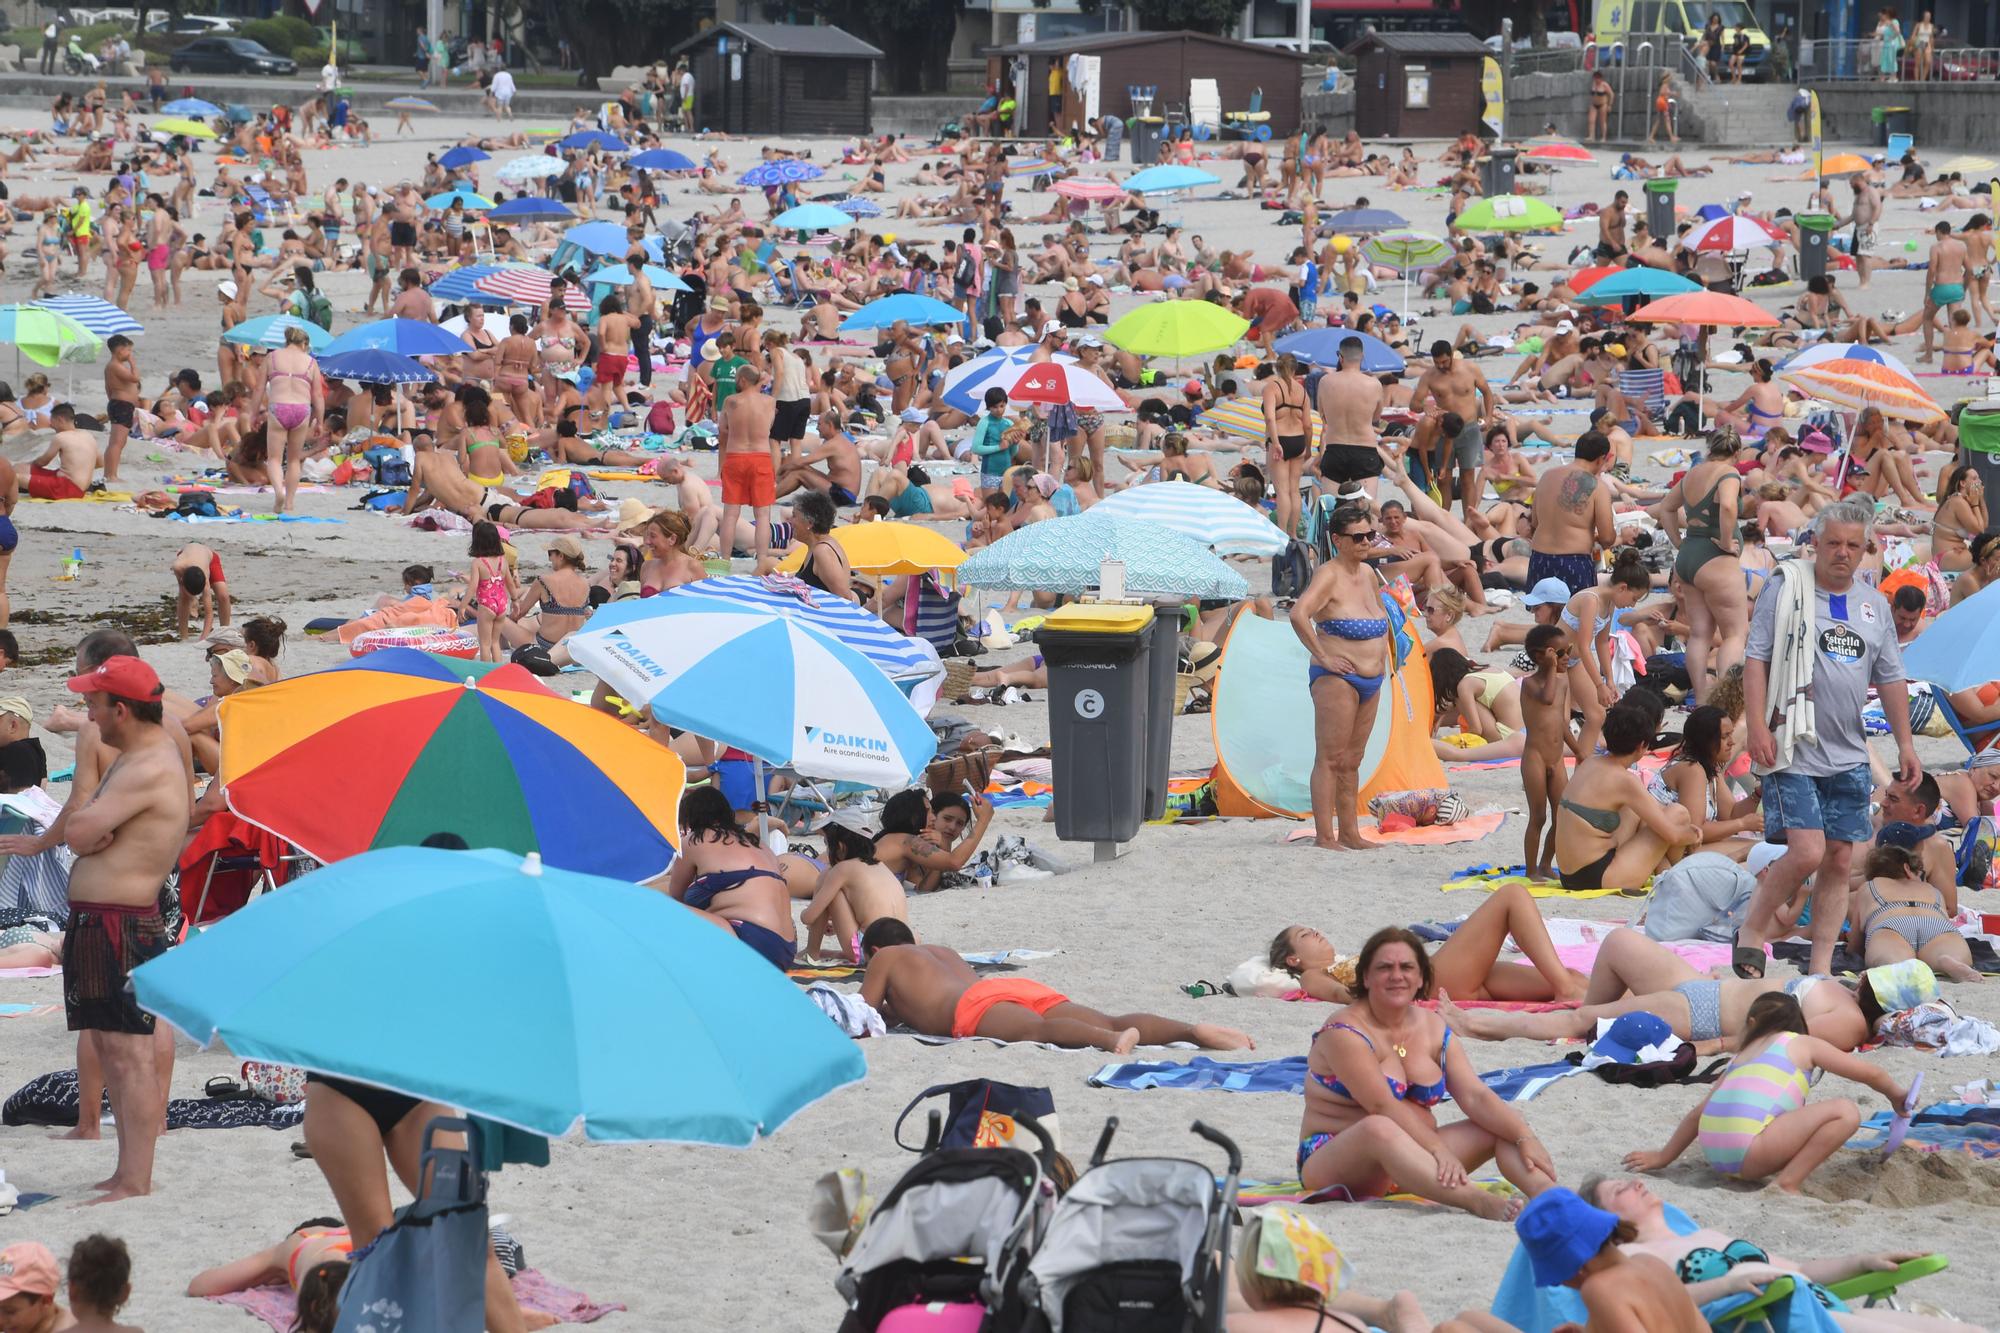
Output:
(1572, 517)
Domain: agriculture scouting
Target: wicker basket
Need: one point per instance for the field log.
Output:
(1184, 683)
(957, 680)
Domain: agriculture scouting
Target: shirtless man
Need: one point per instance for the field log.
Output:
(1944, 282)
(853, 892)
(1572, 1243)
(121, 392)
(644, 304)
(1611, 227)
(73, 451)
(379, 251)
(1350, 410)
(842, 479)
(126, 837)
(615, 331)
(437, 479)
(749, 460)
(1573, 517)
(413, 302)
(1339, 619)
(1457, 386)
(1866, 211)
(931, 989)
(198, 577)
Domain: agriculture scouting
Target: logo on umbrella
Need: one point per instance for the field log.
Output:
(1039, 381)
(835, 742)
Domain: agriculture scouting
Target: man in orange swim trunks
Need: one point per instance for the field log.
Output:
(932, 989)
(749, 459)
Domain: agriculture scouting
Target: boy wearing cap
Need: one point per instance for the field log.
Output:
(1571, 1243)
(29, 1278)
(198, 576)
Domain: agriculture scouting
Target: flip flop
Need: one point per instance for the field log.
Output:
(1746, 960)
(1899, 1126)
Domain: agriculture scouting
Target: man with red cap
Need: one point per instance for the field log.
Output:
(127, 838)
(28, 1281)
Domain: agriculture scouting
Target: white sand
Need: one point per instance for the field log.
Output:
(694, 1238)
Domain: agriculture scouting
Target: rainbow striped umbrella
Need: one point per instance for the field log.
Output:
(1853, 383)
(1090, 189)
(426, 744)
(528, 286)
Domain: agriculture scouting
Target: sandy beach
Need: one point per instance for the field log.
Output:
(700, 1238)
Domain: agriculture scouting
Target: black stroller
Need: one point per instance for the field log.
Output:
(1139, 1245)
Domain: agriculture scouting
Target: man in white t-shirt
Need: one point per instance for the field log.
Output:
(502, 90)
(329, 76)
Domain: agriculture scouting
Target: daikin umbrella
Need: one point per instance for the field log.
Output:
(898, 655)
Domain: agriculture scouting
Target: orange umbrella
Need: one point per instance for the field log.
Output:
(1581, 280)
(1853, 383)
(1717, 308)
(1560, 152)
(1841, 164)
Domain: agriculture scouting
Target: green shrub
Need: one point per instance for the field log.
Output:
(280, 34)
(313, 54)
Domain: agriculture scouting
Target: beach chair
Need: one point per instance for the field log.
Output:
(1974, 738)
(1254, 122)
(1204, 108)
(785, 286)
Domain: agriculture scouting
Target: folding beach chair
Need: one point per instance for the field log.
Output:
(1974, 738)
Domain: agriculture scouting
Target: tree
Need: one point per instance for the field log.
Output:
(915, 37)
(1216, 16)
(608, 33)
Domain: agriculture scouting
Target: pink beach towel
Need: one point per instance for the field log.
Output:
(10, 973)
(279, 1306)
(1427, 835)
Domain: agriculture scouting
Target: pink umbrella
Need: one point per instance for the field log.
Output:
(1058, 382)
(1732, 235)
(1560, 152)
(530, 285)
(1092, 189)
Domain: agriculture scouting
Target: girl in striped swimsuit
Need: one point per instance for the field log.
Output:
(1756, 1123)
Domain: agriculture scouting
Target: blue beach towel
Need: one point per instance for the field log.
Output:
(1288, 1074)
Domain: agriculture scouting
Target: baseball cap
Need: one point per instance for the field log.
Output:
(1051, 327)
(1549, 592)
(126, 678)
(916, 416)
(1565, 326)
(853, 820)
(570, 547)
(1762, 855)
(235, 665)
(1629, 1034)
(1561, 1233)
(1743, 194)
(19, 707)
(28, 1269)
(1095, 279)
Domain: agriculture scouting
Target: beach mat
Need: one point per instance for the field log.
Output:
(26, 1010)
(1256, 1193)
(93, 497)
(1488, 878)
(1470, 829)
(1288, 1074)
(279, 1306)
(1945, 1126)
(9, 973)
(1799, 954)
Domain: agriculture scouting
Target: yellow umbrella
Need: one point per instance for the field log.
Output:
(187, 129)
(1967, 164)
(1244, 416)
(1177, 329)
(889, 548)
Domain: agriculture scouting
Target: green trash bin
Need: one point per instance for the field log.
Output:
(1892, 120)
(1815, 232)
(1660, 219)
(1100, 686)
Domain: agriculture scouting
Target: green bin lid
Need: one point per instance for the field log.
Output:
(1667, 186)
(1815, 221)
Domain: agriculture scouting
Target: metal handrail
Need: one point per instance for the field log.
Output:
(1857, 60)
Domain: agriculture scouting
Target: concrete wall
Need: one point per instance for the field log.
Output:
(1534, 100)
(1948, 115)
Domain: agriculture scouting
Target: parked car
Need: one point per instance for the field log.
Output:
(230, 55)
(190, 25)
(1949, 66)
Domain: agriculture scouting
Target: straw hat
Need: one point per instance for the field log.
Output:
(632, 513)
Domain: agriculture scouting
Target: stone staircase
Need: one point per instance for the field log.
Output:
(1737, 114)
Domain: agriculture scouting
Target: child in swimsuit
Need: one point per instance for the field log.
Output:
(493, 590)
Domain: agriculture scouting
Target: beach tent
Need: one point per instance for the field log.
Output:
(1263, 721)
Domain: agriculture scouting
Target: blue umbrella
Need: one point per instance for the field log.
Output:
(781, 171)
(471, 199)
(618, 275)
(526, 208)
(462, 156)
(494, 983)
(812, 217)
(409, 337)
(660, 159)
(1066, 555)
(855, 205)
(192, 107)
(1159, 180)
(269, 331)
(94, 313)
(598, 238)
(965, 386)
(1711, 212)
(373, 365)
(906, 306)
(1635, 282)
(1362, 222)
(1957, 651)
(1322, 348)
(610, 143)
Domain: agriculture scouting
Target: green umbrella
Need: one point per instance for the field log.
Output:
(1508, 212)
(1177, 329)
(45, 336)
(1404, 251)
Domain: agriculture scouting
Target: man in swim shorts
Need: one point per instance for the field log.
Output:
(1945, 281)
(1339, 617)
(1459, 389)
(73, 451)
(198, 576)
(121, 392)
(931, 989)
(1573, 517)
(749, 459)
(1350, 410)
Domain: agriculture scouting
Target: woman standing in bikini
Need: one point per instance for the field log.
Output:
(1339, 619)
(1287, 439)
(293, 403)
(1710, 573)
(516, 371)
(560, 342)
(479, 363)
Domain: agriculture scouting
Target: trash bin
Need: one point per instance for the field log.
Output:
(1660, 206)
(1496, 172)
(1145, 136)
(1892, 120)
(1100, 666)
(1165, 666)
(1815, 231)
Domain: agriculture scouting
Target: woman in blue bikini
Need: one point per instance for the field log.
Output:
(724, 874)
(1374, 1073)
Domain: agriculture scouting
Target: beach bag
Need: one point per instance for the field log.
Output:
(391, 468)
(427, 1272)
(983, 1113)
(281, 1085)
(197, 504)
(319, 309)
(660, 419)
(1291, 569)
(1676, 1068)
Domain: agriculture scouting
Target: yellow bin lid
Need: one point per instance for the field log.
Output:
(1093, 618)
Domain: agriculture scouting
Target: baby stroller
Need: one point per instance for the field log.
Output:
(944, 1250)
(1137, 1246)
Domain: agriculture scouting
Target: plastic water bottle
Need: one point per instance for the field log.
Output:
(73, 564)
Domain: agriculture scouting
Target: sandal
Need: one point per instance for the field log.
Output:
(1746, 960)
(222, 1088)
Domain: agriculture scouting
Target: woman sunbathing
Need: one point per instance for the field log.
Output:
(1900, 914)
(1468, 964)
(726, 876)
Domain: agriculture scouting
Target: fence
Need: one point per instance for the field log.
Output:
(1859, 59)
(1634, 71)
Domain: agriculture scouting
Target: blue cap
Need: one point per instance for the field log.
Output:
(1631, 1033)
(1561, 1233)
(1550, 591)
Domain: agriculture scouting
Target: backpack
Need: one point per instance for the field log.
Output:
(314, 306)
(391, 468)
(962, 275)
(1291, 569)
(660, 419)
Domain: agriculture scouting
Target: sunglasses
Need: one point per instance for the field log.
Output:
(1367, 536)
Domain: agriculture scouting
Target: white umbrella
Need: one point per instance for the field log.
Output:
(538, 167)
(1214, 518)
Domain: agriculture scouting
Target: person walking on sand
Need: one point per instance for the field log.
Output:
(126, 837)
(749, 461)
(294, 405)
(1339, 619)
(1458, 388)
(931, 989)
(1944, 282)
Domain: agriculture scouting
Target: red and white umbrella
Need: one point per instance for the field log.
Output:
(1058, 382)
(1091, 189)
(1560, 152)
(1733, 234)
(530, 285)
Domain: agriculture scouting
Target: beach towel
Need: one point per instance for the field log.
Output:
(1792, 656)
(1288, 1074)
(1946, 1126)
(1470, 829)
(411, 613)
(1256, 1193)
(51, 1099)
(1488, 878)
(278, 1306)
(92, 497)
(26, 1010)
(244, 516)
(11, 973)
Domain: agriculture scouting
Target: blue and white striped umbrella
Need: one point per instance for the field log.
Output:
(1216, 519)
(897, 654)
(99, 316)
(965, 387)
(457, 285)
(269, 331)
(769, 685)
(1066, 555)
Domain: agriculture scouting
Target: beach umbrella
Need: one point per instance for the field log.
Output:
(898, 655)
(965, 385)
(1406, 252)
(1508, 212)
(1057, 382)
(1704, 307)
(1856, 385)
(269, 331)
(1818, 352)
(409, 337)
(599, 238)
(46, 336)
(1177, 329)
(1322, 348)
(1841, 164)
(410, 104)
(769, 685)
(1213, 518)
(99, 316)
(1032, 166)
(909, 307)
(1090, 189)
(1362, 222)
(528, 286)
(1582, 280)
(661, 159)
(598, 139)
(191, 106)
(1160, 180)
(1732, 234)
(1559, 152)
(471, 199)
(887, 548)
(618, 275)
(854, 205)
(464, 155)
(526, 208)
(1967, 164)
(510, 988)
(1067, 555)
(242, 115)
(1244, 416)
(1635, 282)
(186, 129)
(537, 166)
(780, 171)
(812, 217)
(1957, 650)
(427, 743)
(457, 285)
(373, 365)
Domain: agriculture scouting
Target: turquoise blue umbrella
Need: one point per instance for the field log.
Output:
(1159, 180)
(1958, 649)
(410, 337)
(1066, 555)
(1635, 282)
(472, 200)
(617, 275)
(599, 238)
(812, 217)
(192, 107)
(269, 331)
(906, 306)
(513, 990)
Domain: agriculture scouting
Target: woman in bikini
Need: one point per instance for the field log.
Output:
(480, 448)
(1610, 833)
(1900, 915)
(1693, 780)
(1383, 1050)
(294, 404)
(559, 600)
(515, 373)
(1758, 408)
(1288, 436)
(1961, 518)
(560, 344)
(724, 875)
(1885, 469)
(668, 563)
(1710, 574)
